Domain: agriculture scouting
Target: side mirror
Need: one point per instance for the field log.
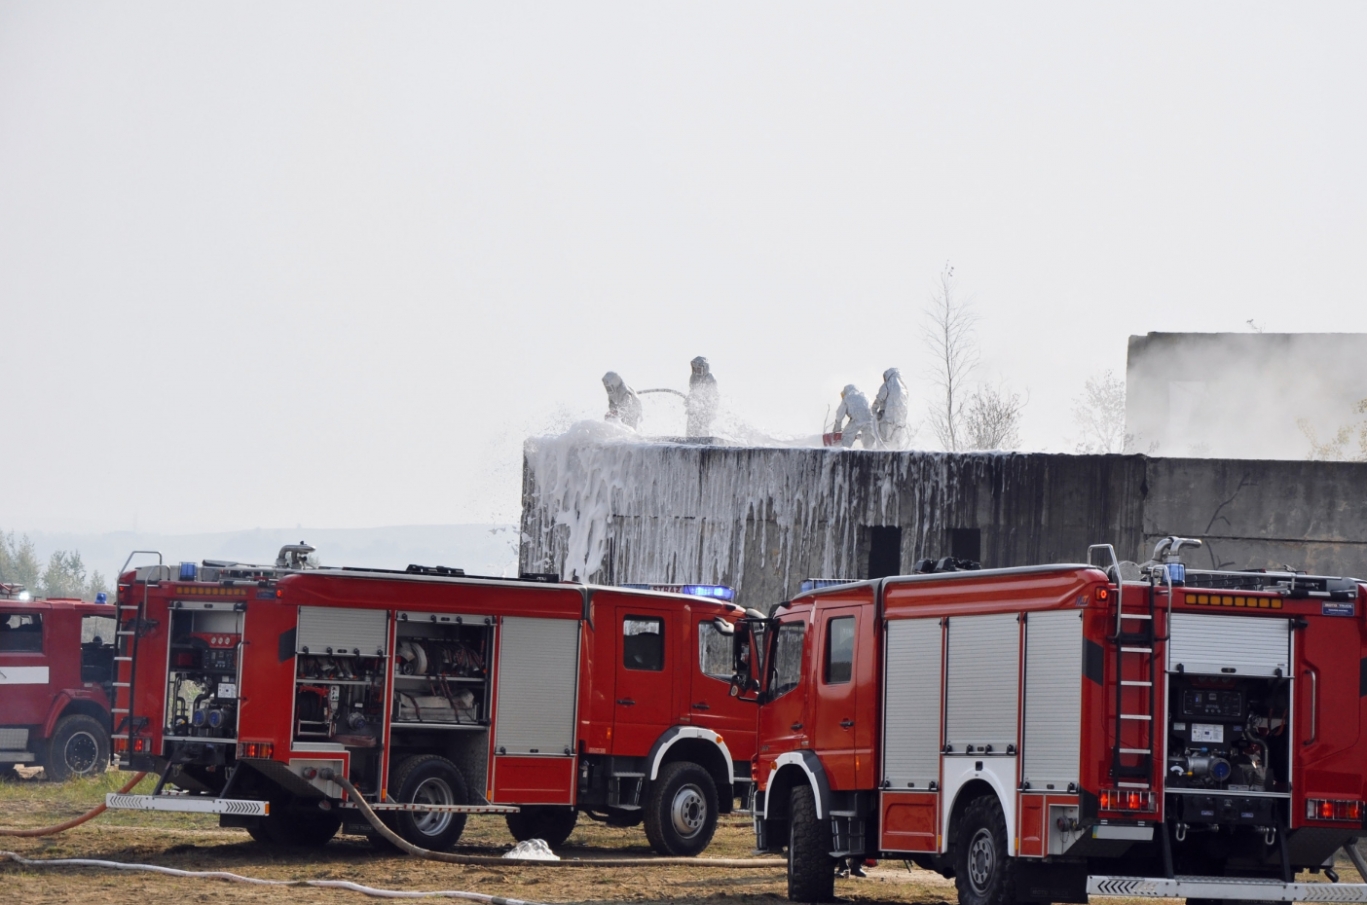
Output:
(722, 626)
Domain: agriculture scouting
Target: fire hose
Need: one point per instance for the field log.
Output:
(490, 860)
(77, 821)
(259, 881)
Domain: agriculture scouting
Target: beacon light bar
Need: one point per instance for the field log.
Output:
(714, 591)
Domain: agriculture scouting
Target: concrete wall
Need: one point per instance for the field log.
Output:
(762, 520)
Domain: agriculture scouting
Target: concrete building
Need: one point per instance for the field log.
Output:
(1243, 395)
(762, 520)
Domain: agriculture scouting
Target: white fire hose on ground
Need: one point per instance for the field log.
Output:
(491, 860)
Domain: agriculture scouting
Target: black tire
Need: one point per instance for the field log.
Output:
(551, 824)
(681, 810)
(79, 747)
(811, 869)
(296, 829)
(429, 779)
(982, 862)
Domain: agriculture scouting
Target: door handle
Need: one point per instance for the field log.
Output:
(701, 705)
(1314, 705)
(845, 724)
(796, 727)
(626, 702)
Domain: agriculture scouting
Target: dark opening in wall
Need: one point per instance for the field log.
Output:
(966, 543)
(885, 552)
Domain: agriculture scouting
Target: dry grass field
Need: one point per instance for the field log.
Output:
(196, 843)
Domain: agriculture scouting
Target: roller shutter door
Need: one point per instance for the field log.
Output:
(537, 680)
(1053, 699)
(911, 753)
(982, 697)
(342, 629)
(1229, 645)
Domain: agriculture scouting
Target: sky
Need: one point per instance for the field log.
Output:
(330, 264)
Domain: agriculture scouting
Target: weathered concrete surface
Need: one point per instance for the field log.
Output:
(762, 520)
(1263, 513)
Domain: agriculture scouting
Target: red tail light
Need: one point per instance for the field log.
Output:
(141, 745)
(1128, 800)
(120, 745)
(1333, 809)
(259, 750)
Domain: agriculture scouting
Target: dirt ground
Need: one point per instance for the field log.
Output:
(196, 843)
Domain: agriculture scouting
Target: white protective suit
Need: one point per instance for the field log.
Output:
(854, 405)
(890, 410)
(701, 404)
(623, 403)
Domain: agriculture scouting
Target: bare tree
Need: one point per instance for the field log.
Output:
(1099, 414)
(950, 322)
(992, 419)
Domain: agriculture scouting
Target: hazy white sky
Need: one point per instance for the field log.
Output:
(329, 264)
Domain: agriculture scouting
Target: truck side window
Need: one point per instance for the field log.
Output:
(643, 643)
(839, 650)
(21, 632)
(714, 652)
(787, 658)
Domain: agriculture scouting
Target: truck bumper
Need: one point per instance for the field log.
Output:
(1225, 888)
(241, 807)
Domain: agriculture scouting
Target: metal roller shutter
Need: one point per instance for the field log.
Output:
(911, 735)
(343, 629)
(1214, 645)
(982, 694)
(538, 662)
(1053, 699)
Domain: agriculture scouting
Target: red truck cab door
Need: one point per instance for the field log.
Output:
(647, 650)
(710, 703)
(783, 717)
(25, 670)
(842, 734)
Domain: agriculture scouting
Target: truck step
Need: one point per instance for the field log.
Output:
(1136, 716)
(1137, 683)
(1247, 889)
(1136, 650)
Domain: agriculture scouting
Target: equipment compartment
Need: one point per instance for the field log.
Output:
(1227, 734)
(441, 670)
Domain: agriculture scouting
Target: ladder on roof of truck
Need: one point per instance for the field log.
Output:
(1135, 641)
(127, 630)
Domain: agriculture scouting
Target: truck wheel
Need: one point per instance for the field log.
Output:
(429, 779)
(551, 824)
(681, 810)
(982, 863)
(79, 747)
(811, 869)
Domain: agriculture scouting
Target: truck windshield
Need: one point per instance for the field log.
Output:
(787, 659)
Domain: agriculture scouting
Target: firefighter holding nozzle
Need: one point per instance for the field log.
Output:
(701, 403)
(624, 406)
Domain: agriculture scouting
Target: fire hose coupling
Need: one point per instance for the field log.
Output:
(327, 773)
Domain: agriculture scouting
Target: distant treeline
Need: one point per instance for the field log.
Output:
(64, 576)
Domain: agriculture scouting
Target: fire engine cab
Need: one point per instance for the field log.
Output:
(438, 695)
(1046, 733)
(56, 663)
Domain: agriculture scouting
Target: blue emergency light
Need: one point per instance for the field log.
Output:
(187, 571)
(712, 591)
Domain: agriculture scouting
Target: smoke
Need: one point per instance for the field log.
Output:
(1242, 396)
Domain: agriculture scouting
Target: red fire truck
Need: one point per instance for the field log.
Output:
(437, 694)
(1043, 733)
(56, 660)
